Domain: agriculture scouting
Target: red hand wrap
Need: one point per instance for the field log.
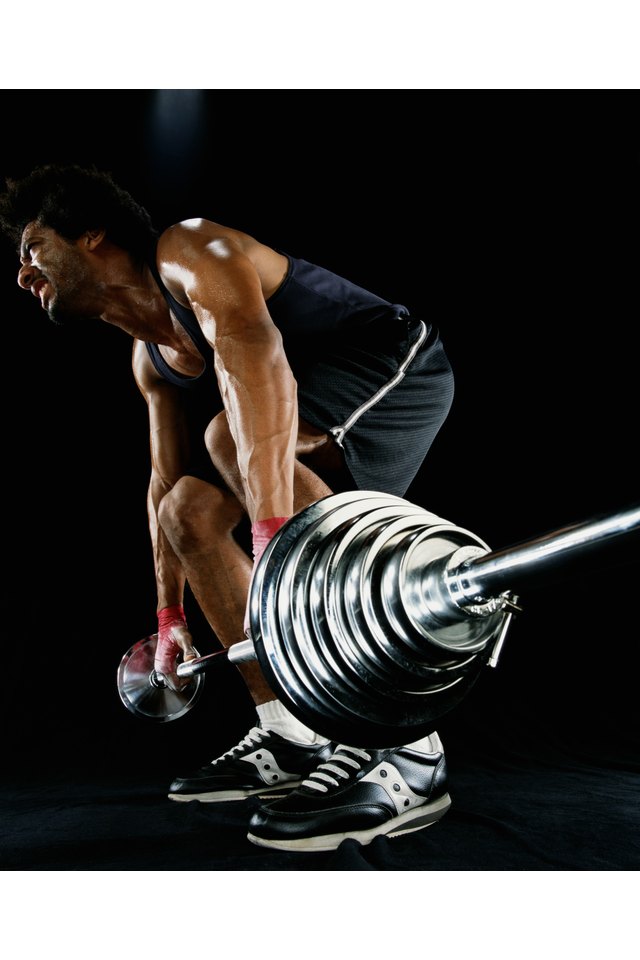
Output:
(167, 649)
(262, 531)
(169, 615)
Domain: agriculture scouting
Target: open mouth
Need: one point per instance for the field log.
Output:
(38, 290)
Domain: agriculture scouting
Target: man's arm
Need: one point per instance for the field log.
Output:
(169, 452)
(256, 383)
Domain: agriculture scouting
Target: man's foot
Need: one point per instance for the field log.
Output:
(358, 794)
(263, 764)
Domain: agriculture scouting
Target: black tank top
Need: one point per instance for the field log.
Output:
(312, 305)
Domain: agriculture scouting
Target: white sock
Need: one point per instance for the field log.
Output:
(274, 716)
(430, 744)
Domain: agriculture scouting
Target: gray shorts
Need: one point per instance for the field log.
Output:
(383, 399)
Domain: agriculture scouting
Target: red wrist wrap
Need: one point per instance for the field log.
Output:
(169, 615)
(262, 531)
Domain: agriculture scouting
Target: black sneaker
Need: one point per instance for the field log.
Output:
(358, 794)
(263, 764)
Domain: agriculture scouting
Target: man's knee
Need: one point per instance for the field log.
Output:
(193, 511)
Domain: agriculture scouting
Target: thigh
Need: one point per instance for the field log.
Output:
(320, 467)
(318, 452)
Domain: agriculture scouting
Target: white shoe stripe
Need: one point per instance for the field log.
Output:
(395, 786)
(267, 766)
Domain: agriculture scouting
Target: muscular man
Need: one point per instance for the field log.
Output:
(270, 383)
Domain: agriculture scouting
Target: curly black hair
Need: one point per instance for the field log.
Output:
(71, 199)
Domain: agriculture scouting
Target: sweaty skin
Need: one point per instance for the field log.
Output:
(224, 276)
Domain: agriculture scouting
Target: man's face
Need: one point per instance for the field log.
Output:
(56, 271)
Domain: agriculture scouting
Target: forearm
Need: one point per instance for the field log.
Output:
(260, 398)
(170, 577)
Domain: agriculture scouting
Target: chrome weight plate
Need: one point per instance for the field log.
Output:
(149, 695)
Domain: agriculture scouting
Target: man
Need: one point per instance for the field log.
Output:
(270, 383)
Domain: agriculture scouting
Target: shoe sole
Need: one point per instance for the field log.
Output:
(408, 822)
(220, 796)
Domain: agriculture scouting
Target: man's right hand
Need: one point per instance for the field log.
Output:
(173, 638)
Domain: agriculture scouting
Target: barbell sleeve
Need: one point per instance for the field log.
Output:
(238, 653)
(479, 579)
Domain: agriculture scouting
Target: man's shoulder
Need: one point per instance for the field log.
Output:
(184, 235)
(191, 251)
(187, 240)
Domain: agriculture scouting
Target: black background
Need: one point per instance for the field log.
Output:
(509, 221)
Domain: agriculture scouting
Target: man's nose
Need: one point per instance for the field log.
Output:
(27, 275)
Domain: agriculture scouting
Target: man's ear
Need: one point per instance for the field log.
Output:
(93, 238)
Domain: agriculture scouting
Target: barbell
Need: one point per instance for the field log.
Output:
(371, 618)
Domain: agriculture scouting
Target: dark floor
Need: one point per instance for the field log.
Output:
(531, 817)
(549, 797)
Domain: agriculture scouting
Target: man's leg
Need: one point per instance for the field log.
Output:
(199, 521)
(344, 791)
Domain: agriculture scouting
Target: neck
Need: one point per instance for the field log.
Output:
(133, 302)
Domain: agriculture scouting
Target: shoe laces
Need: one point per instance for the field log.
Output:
(252, 739)
(323, 775)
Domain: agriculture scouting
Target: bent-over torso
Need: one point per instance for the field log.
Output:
(367, 372)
